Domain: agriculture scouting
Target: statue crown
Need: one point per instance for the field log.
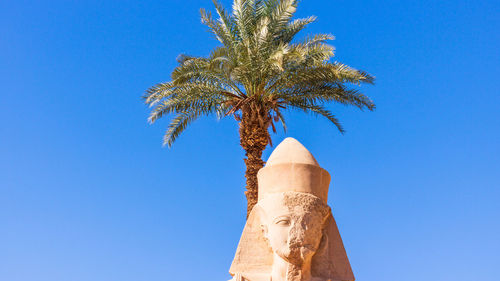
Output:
(291, 167)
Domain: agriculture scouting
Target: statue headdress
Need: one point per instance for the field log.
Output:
(291, 167)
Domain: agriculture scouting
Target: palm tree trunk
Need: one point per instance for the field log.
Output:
(254, 138)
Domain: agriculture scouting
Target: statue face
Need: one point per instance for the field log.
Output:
(293, 224)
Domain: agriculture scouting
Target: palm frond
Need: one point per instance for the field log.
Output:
(282, 120)
(188, 97)
(328, 93)
(282, 14)
(326, 73)
(222, 29)
(227, 22)
(178, 124)
(294, 28)
(318, 110)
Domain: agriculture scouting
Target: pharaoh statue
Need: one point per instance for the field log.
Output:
(291, 234)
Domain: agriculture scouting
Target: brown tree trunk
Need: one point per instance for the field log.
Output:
(254, 138)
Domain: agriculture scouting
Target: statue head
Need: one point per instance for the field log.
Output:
(291, 223)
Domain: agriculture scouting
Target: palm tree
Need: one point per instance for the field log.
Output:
(257, 73)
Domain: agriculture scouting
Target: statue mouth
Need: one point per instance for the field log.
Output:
(297, 254)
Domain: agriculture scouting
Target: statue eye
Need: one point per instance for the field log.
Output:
(282, 222)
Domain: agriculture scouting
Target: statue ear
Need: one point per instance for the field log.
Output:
(323, 245)
(263, 227)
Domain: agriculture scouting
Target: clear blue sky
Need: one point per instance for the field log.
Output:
(87, 193)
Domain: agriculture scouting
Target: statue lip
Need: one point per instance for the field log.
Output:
(299, 246)
(297, 253)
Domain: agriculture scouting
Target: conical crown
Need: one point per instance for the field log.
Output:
(291, 150)
(291, 167)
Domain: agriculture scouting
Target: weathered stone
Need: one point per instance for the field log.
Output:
(291, 234)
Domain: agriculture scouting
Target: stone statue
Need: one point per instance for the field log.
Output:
(291, 234)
